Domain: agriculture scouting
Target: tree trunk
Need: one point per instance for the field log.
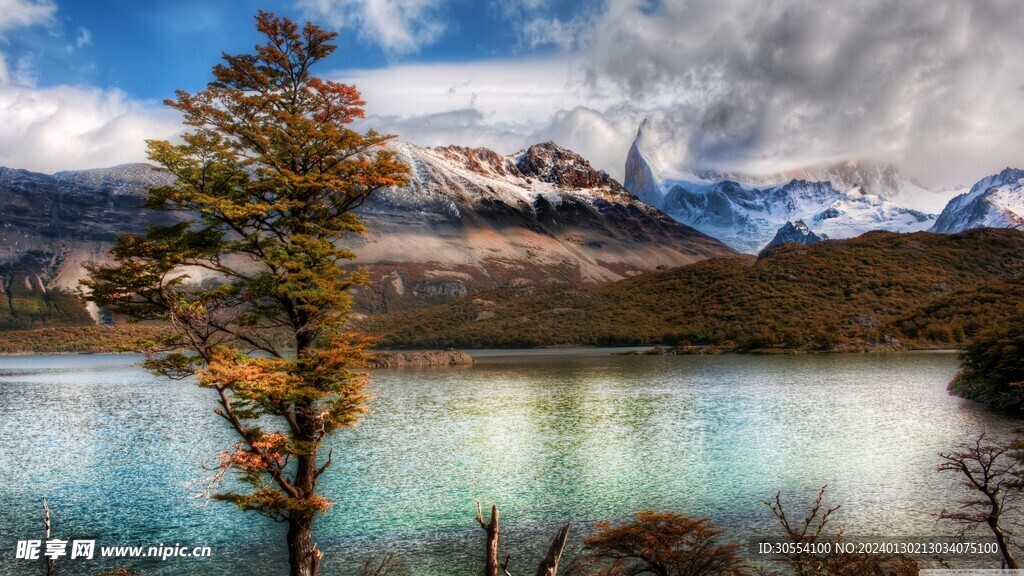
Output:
(1004, 546)
(303, 555)
(46, 522)
(492, 530)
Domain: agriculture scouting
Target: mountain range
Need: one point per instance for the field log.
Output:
(470, 219)
(473, 220)
(837, 200)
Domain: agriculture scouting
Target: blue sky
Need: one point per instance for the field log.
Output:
(935, 87)
(148, 49)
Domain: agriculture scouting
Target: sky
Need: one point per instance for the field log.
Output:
(935, 87)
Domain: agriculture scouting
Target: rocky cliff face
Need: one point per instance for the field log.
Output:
(641, 179)
(51, 225)
(469, 219)
(82, 206)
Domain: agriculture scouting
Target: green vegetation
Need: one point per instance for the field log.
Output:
(993, 366)
(878, 291)
(25, 304)
(77, 339)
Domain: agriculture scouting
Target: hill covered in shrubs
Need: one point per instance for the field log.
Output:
(878, 291)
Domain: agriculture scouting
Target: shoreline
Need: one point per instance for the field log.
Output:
(614, 350)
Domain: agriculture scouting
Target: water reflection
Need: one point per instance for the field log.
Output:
(550, 437)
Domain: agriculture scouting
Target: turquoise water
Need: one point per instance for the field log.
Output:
(569, 435)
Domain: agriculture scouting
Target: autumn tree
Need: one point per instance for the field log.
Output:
(659, 543)
(268, 175)
(991, 472)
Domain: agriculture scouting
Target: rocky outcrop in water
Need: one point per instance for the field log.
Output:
(394, 359)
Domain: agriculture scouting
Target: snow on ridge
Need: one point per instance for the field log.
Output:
(475, 174)
(122, 178)
(995, 201)
(840, 200)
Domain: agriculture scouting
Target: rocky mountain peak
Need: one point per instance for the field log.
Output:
(640, 178)
(549, 162)
(800, 226)
(996, 201)
(1007, 176)
(797, 232)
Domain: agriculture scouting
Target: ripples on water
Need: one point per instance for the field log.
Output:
(549, 436)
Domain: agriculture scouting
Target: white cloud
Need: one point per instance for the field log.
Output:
(604, 139)
(24, 13)
(65, 127)
(746, 82)
(505, 105)
(535, 27)
(521, 91)
(84, 38)
(932, 85)
(540, 31)
(21, 14)
(398, 26)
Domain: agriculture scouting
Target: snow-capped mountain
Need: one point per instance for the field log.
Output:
(469, 219)
(745, 212)
(996, 202)
(883, 180)
(795, 232)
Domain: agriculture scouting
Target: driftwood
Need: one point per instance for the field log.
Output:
(548, 566)
(46, 522)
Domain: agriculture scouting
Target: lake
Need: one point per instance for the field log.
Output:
(550, 436)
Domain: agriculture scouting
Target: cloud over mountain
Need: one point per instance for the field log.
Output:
(745, 81)
(933, 86)
(744, 84)
(69, 127)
